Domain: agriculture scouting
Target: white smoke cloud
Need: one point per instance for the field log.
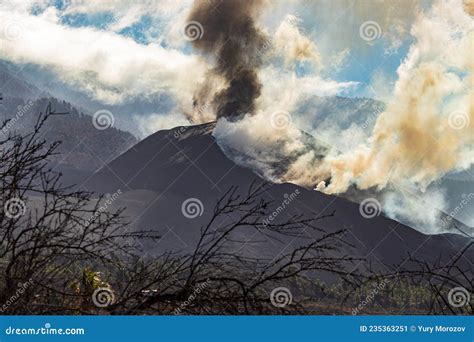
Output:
(151, 123)
(415, 141)
(413, 206)
(413, 138)
(271, 133)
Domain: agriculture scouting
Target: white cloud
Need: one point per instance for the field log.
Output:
(105, 65)
(126, 12)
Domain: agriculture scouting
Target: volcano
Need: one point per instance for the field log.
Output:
(157, 175)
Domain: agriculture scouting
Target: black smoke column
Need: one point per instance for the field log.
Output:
(230, 34)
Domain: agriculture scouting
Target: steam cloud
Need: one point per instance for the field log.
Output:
(233, 39)
(428, 127)
(425, 132)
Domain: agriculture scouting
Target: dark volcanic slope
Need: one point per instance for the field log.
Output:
(162, 171)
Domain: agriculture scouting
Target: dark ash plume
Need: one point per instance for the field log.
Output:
(231, 36)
